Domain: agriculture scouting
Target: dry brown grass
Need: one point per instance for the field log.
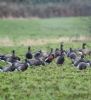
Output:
(8, 42)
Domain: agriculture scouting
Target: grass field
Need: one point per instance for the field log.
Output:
(22, 30)
(50, 82)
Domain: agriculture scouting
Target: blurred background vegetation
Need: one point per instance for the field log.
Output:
(44, 8)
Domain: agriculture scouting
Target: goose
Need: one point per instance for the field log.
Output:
(23, 66)
(38, 54)
(10, 58)
(61, 46)
(2, 58)
(13, 58)
(72, 55)
(58, 51)
(84, 46)
(84, 50)
(82, 65)
(29, 54)
(50, 57)
(36, 62)
(78, 60)
(60, 59)
(69, 52)
(9, 68)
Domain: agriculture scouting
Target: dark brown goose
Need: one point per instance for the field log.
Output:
(84, 50)
(60, 59)
(9, 68)
(29, 54)
(50, 57)
(13, 57)
(23, 66)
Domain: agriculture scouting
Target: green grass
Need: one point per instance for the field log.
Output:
(44, 28)
(46, 83)
(50, 82)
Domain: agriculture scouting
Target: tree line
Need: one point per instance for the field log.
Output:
(44, 8)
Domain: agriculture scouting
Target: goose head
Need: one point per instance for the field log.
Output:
(83, 45)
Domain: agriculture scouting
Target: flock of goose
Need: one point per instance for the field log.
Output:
(76, 56)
